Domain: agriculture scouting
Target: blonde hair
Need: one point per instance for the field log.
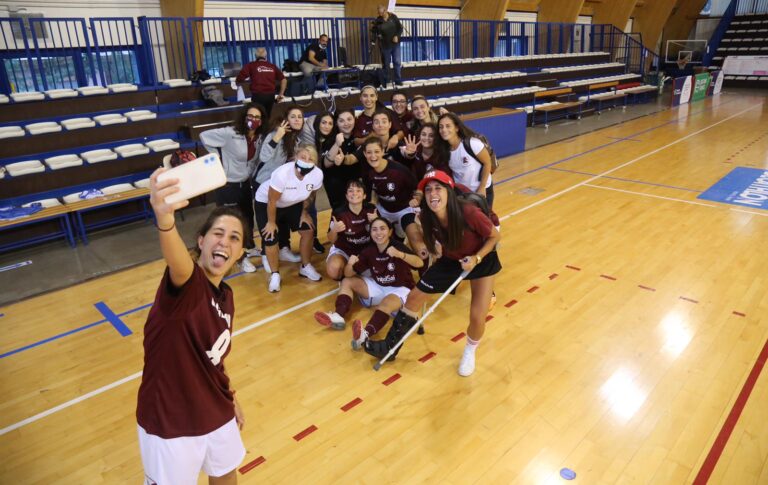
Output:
(309, 148)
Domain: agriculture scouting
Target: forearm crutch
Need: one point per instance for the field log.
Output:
(416, 325)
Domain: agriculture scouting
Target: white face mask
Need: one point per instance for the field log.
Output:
(304, 166)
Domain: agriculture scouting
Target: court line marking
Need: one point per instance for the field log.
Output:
(748, 212)
(627, 180)
(131, 377)
(626, 164)
(709, 463)
(258, 324)
(650, 195)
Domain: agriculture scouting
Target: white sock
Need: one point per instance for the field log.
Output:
(472, 344)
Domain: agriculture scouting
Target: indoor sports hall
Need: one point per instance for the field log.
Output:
(629, 334)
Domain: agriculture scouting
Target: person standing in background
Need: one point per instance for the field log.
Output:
(264, 77)
(388, 30)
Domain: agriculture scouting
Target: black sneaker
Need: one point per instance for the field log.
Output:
(318, 247)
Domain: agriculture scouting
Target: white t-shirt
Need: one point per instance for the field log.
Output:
(293, 190)
(466, 169)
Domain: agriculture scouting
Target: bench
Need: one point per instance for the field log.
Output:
(60, 213)
(557, 107)
(603, 97)
(78, 209)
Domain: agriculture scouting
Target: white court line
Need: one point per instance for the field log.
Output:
(749, 212)
(650, 195)
(301, 305)
(131, 377)
(603, 174)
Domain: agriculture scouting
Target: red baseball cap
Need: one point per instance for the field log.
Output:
(438, 175)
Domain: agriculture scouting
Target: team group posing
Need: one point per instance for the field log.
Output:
(407, 188)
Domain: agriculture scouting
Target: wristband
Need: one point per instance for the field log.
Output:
(165, 230)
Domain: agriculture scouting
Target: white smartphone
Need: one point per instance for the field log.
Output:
(199, 176)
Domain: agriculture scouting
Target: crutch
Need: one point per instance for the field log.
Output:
(378, 364)
(424, 306)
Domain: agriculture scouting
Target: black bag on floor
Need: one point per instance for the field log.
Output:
(372, 77)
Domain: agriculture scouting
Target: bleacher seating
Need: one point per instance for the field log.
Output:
(747, 35)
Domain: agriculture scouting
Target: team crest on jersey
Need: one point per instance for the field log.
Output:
(391, 266)
(391, 186)
(310, 187)
(430, 167)
(465, 161)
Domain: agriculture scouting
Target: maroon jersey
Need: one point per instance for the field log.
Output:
(406, 121)
(184, 390)
(421, 165)
(357, 235)
(477, 229)
(364, 125)
(264, 76)
(394, 185)
(386, 270)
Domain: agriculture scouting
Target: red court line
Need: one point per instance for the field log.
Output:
(458, 337)
(572, 267)
(553, 276)
(510, 303)
(646, 287)
(427, 357)
(391, 379)
(305, 433)
(608, 277)
(250, 466)
(739, 313)
(532, 289)
(689, 299)
(354, 402)
(488, 318)
(730, 422)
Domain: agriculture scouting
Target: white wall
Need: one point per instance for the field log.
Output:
(85, 8)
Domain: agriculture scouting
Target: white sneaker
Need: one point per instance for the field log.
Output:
(308, 271)
(274, 283)
(265, 263)
(289, 256)
(247, 266)
(467, 364)
(359, 335)
(331, 319)
(253, 252)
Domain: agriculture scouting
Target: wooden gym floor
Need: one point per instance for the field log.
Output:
(627, 343)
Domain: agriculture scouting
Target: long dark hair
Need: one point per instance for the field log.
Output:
(449, 237)
(388, 224)
(464, 131)
(323, 143)
(440, 153)
(223, 210)
(240, 121)
(291, 138)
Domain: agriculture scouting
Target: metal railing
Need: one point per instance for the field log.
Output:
(51, 53)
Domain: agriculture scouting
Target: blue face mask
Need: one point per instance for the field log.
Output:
(304, 167)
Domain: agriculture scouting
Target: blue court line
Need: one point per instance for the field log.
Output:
(121, 327)
(50, 339)
(90, 325)
(676, 120)
(624, 139)
(626, 180)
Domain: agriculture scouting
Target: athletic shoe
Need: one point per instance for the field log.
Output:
(330, 319)
(265, 263)
(289, 256)
(274, 283)
(247, 266)
(318, 247)
(253, 252)
(359, 335)
(420, 331)
(308, 271)
(493, 302)
(467, 364)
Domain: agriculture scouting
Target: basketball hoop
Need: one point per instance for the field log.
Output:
(681, 63)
